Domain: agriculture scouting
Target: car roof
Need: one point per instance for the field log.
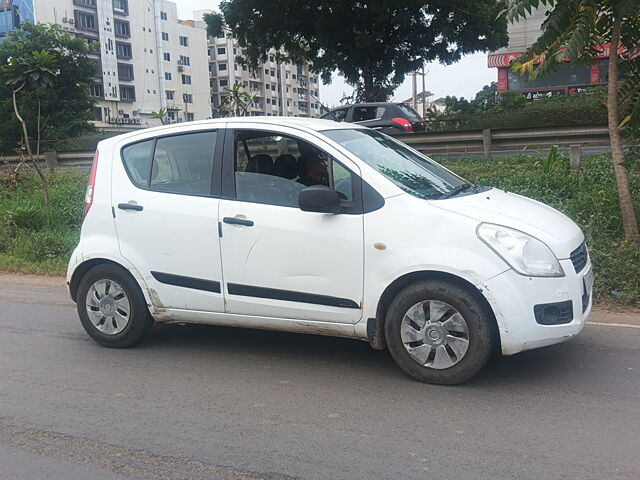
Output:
(315, 124)
(370, 104)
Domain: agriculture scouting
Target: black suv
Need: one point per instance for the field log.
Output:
(389, 118)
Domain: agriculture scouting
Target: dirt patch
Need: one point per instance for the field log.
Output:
(24, 279)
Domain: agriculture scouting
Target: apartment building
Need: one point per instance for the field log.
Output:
(282, 89)
(149, 60)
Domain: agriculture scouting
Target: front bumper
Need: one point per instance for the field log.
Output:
(513, 298)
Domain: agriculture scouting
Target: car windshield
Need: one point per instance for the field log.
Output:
(411, 171)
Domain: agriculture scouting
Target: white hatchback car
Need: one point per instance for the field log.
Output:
(315, 227)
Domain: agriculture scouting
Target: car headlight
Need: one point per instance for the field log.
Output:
(525, 254)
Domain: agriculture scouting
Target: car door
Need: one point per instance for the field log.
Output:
(279, 261)
(166, 216)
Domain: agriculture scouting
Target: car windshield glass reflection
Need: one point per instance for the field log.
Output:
(411, 171)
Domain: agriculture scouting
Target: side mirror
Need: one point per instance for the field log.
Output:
(319, 198)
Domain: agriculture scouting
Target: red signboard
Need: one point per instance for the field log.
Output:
(498, 60)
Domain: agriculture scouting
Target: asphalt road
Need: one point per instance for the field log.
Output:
(200, 402)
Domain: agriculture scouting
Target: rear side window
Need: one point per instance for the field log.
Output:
(184, 164)
(173, 164)
(361, 114)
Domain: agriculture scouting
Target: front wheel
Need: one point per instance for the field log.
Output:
(112, 308)
(438, 332)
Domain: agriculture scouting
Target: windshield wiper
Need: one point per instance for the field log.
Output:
(459, 189)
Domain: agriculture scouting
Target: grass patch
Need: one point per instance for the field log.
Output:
(587, 195)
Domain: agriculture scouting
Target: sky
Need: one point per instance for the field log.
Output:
(462, 79)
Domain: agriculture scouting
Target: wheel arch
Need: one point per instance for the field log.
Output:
(82, 269)
(375, 326)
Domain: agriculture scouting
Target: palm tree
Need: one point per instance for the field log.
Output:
(236, 100)
(160, 115)
(35, 72)
(577, 31)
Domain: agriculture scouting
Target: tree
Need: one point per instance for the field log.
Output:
(34, 73)
(160, 115)
(577, 31)
(65, 114)
(235, 101)
(373, 44)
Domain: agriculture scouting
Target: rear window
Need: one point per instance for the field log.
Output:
(409, 113)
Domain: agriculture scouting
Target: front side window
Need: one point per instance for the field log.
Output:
(272, 169)
(338, 115)
(413, 172)
(176, 164)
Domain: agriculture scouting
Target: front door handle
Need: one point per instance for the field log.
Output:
(238, 221)
(130, 206)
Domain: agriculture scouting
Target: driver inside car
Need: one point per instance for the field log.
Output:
(313, 170)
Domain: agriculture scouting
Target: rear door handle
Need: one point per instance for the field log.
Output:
(238, 221)
(130, 206)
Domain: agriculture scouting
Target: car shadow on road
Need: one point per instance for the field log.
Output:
(320, 354)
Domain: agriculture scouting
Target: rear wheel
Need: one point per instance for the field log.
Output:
(111, 307)
(438, 332)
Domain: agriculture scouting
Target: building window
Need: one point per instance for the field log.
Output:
(85, 3)
(224, 83)
(266, 71)
(187, 98)
(86, 21)
(273, 87)
(120, 6)
(190, 117)
(184, 41)
(170, 95)
(123, 50)
(167, 57)
(125, 71)
(273, 73)
(220, 35)
(163, 16)
(122, 29)
(186, 61)
(222, 51)
(222, 67)
(186, 79)
(96, 91)
(167, 75)
(165, 36)
(127, 93)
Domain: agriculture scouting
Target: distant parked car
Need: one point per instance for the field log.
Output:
(389, 118)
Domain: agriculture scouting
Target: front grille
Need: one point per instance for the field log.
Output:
(579, 257)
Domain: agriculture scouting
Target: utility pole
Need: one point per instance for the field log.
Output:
(415, 90)
(424, 100)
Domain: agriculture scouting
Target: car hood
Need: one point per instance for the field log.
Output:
(555, 229)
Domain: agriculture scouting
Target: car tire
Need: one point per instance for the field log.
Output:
(112, 308)
(425, 349)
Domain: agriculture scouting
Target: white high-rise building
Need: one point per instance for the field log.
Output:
(278, 88)
(149, 60)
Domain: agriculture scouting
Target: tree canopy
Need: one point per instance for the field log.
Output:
(373, 44)
(65, 112)
(579, 31)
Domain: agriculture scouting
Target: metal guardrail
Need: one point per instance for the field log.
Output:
(488, 142)
(455, 144)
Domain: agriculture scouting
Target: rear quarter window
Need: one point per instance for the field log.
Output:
(137, 162)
